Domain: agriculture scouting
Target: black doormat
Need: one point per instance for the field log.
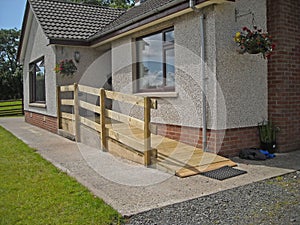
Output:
(223, 173)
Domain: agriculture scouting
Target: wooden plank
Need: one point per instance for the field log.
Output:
(135, 100)
(91, 124)
(67, 88)
(58, 103)
(68, 126)
(76, 112)
(118, 149)
(185, 172)
(89, 90)
(89, 106)
(69, 116)
(102, 119)
(67, 102)
(131, 99)
(147, 132)
(124, 139)
(153, 103)
(124, 119)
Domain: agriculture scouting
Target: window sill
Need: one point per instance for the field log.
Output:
(38, 105)
(158, 94)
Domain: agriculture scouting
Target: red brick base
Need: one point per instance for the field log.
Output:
(43, 121)
(223, 142)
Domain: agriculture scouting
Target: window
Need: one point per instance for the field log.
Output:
(37, 81)
(155, 62)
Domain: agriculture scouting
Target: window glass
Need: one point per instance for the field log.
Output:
(156, 62)
(37, 81)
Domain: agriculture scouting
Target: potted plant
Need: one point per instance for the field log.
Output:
(267, 135)
(254, 42)
(66, 67)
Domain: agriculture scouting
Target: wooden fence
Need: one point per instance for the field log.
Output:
(106, 117)
(11, 108)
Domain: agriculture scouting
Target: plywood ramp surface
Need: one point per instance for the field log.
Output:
(176, 157)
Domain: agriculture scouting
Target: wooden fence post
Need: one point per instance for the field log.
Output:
(102, 120)
(147, 133)
(76, 113)
(58, 105)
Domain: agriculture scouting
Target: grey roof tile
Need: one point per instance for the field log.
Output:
(137, 12)
(71, 21)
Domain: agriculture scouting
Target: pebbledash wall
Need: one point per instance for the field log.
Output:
(237, 84)
(284, 72)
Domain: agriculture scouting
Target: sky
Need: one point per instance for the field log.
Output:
(11, 13)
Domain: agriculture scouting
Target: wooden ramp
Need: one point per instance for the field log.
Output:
(127, 136)
(176, 157)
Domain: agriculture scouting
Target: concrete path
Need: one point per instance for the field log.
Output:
(131, 188)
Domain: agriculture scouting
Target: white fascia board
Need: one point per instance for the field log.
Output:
(26, 35)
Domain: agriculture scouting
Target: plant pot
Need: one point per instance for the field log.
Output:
(253, 51)
(270, 147)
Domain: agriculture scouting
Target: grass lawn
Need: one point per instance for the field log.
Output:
(33, 191)
(11, 103)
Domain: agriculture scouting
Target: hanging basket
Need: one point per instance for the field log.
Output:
(66, 67)
(254, 42)
(253, 51)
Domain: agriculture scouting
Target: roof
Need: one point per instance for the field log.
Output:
(69, 23)
(142, 10)
(72, 21)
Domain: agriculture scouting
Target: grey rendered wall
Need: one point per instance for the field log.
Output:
(93, 67)
(93, 70)
(236, 84)
(36, 48)
(242, 78)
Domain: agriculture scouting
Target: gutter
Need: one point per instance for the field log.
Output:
(148, 19)
(203, 85)
(169, 5)
(164, 13)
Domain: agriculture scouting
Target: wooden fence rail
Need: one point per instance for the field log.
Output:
(106, 116)
(11, 108)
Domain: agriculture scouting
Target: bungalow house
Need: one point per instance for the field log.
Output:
(179, 52)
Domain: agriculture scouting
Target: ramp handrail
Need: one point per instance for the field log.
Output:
(145, 102)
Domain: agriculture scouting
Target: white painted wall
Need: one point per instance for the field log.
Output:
(37, 47)
(94, 67)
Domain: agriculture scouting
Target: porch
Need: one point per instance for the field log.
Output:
(129, 136)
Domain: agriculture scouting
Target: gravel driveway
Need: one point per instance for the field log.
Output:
(272, 201)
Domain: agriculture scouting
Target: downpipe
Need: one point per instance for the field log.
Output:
(203, 85)
(203, 78)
